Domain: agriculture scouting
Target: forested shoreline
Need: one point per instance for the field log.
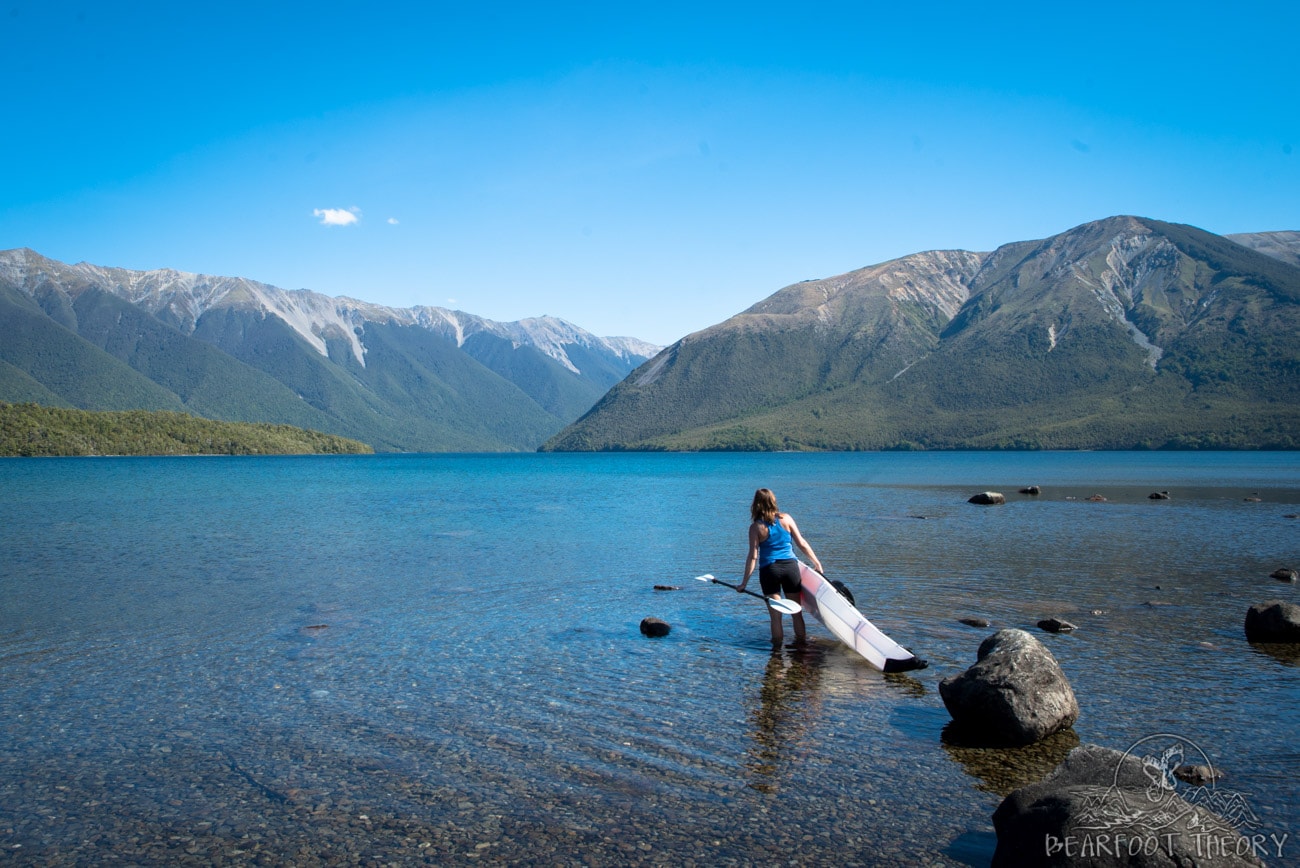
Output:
(36, 430)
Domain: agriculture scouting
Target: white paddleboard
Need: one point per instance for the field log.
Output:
(850, 627)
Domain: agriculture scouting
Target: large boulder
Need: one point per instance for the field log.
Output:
(1101, 808)
(988, 498)
(1015, 694)
(1273, 621)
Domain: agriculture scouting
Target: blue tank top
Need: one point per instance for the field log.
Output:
(777, 545)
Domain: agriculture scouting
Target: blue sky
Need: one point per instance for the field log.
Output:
(636, 169)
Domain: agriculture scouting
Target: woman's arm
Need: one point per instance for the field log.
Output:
(788, 523)
(751, 560)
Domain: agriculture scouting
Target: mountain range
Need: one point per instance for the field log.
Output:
(233, 349)
(1122, 333)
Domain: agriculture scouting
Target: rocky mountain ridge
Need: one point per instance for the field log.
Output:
(234, 349)
(1121, 333)
(1283, 246)
(181, 298)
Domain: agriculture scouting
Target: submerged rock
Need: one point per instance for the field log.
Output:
(655, 628)
(988, 498)
(1015, 694)
(1031, 489)
(1056, 625)
(974, 622)
(1101, 807)
(1285, 575)
(1158, 495)
(1273, 621)
(668, 587)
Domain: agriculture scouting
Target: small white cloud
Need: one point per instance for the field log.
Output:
(392, 221)
(337, 216)
(451, 301)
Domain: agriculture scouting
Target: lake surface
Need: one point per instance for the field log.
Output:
(437, 658)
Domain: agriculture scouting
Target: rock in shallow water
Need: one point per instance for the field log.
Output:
(655, 628)
(1273, 621)
(1015, 694)
(1198, 776)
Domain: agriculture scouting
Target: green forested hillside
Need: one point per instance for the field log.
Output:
(39, 350)
(550, 385)
(208, 382)
(34, 430)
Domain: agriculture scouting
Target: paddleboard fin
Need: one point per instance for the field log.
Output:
(907, 665)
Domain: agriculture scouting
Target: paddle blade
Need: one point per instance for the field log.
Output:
(707, 577)
(785, 607)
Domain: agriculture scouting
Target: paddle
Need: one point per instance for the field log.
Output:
(784, 606)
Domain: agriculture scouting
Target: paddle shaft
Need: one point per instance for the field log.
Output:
(742, 590)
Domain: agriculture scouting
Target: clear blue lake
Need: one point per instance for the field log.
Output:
(437, 658)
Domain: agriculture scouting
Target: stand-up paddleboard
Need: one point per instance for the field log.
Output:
(850, 627)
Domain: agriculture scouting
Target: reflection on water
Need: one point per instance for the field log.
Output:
(788, 699)
(1282, 653)
(1002, 770)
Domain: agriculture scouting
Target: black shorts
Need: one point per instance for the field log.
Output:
(780, 576)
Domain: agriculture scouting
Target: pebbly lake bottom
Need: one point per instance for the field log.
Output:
(398, 659)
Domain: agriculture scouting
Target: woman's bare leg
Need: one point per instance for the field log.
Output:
(778, 634)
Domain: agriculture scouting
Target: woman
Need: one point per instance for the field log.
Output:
(771, 536)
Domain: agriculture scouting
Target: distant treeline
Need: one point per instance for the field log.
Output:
(35, 430)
